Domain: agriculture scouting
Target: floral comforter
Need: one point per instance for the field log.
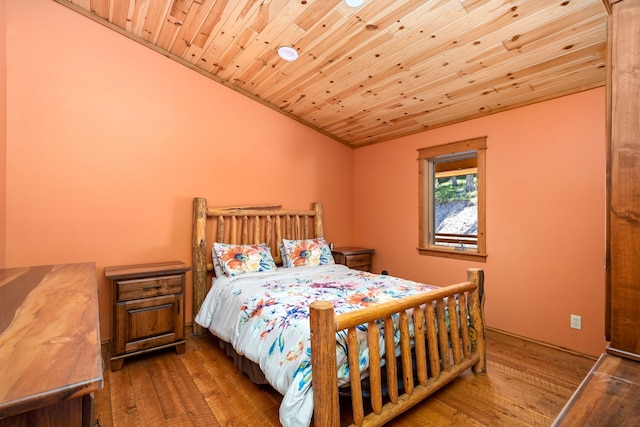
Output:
(265, 316)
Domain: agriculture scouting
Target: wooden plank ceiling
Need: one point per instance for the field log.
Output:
(382, 70)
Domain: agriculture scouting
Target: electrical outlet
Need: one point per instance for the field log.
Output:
(576, 321)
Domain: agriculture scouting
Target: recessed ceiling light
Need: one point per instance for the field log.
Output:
(353, 3)
(287, 53)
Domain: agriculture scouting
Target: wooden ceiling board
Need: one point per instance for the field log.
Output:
(388, 56)
(100, 8)
(264, 43)
(152, 14)
(387, 69)
(118, 12)
(83, 4)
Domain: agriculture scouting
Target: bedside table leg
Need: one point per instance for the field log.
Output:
(116, 364)
(180, 348)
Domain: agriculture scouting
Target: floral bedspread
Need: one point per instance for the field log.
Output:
(265, 316)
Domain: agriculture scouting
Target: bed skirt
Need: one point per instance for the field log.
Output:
(251, 369)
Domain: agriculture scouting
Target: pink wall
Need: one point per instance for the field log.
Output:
(545, 216)
(108, 142)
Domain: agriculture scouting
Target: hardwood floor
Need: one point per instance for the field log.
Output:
(526, 385)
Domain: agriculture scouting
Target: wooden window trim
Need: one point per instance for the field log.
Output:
(449, 253)
(426, 157)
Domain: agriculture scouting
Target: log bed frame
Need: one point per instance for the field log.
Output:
(443, 346)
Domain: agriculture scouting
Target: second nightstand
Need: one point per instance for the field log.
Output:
(148, 309)
(354, 257)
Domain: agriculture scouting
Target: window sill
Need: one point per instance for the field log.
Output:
(448, 253)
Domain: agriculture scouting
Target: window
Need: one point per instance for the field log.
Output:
(452, 200)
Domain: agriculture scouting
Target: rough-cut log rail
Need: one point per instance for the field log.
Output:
(450, 352)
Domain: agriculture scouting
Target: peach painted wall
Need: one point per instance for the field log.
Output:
(3, 131)
(108, 142)
(545, 216)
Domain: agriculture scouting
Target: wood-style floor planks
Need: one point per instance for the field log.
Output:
(527, 384)
(141, 381)
(213, 373)
(181, 402)
(102, 399)
(123, 400)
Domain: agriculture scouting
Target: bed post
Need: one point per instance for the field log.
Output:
(476, 316)
(326, 412)
(199, 258)
(318, 229)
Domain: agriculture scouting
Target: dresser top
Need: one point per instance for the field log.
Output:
(608, 396)
(145, 270)
(49, 336)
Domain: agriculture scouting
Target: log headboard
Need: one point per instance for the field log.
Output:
(244, 225)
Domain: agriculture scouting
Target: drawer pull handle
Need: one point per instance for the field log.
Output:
(146, 288)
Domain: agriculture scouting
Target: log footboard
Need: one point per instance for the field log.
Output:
(448, 338)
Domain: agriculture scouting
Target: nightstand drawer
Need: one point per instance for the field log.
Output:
(353, 257)
(149, 287)
(360, 260)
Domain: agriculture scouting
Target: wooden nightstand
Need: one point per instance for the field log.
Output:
(148, 309)
(354, 257)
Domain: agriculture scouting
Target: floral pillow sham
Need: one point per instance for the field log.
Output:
(239, 259)
(309, 252)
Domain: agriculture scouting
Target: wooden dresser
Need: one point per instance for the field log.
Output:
(608, 396)
(50, 361)
(353, 257)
